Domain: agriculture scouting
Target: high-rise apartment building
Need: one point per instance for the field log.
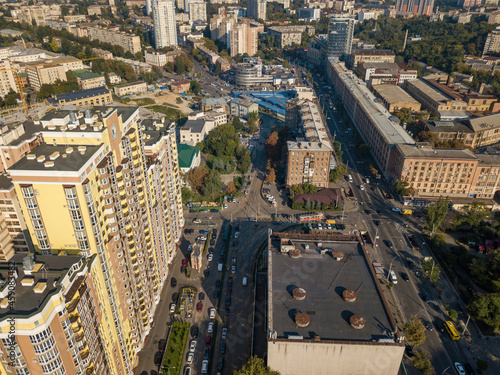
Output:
(7, 80)
(256, 9)
(165, 30)
(107, 188)
(492, 43)
(128, 42)
(197, 10)
(340, 34)
(244, 37)
(419, 7)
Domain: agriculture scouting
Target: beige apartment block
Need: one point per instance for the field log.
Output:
(131, 88)
(395, 98)
(245, 37)
(16, 141)
(88, 80)
(7, 80)
(39, 75)
(128, 42)
(371, 55)
(288, 35)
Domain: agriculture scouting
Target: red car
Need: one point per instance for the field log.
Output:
(184, 262)
(199, 307)
(209, 340)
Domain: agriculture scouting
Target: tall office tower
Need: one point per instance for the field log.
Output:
(197, 10)
(420, 7)
(340, 33)
(105, 187)
(165, 29)
(256, 9)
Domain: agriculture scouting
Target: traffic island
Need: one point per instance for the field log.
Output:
(173, 357)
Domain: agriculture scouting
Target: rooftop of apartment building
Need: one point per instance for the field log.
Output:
(81, 94)
(84, 75)
(373, 52)
(288, 29)
(432, 91)
(485, 122)
(214, 101)
(153, 129)
(132, 84)
(17, 132)
(384, 65)
(394, 94)
(48, 157)
(447, 126)
(488, 160)
(377, 112)
(244, 102)
(425, 151)
(36, 281)
(5, 182)
(312, 272)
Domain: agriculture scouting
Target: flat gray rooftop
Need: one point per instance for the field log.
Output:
(394, 94)
(324, 279)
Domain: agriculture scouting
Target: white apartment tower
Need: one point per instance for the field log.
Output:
(165, 29)
(256, 9)
(197, 11)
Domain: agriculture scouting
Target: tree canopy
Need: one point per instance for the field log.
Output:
(255, 366)
(222, 140)
(415, 331)
(436, 214)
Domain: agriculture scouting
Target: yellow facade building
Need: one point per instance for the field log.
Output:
(102, 185)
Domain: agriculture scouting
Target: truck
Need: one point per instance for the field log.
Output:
(406, 211)
(413, 241)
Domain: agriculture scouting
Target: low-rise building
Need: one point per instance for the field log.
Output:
(88, 80)
(207, 104)
(309, 156)
(106, 55)
(133, 88)
(128, 42)
(312, 331)
(189, 157)
(138, 66)
(242, 107)
(210, 55)
(371, 55)
(393, 73)
(75, 18)
(449, 131)
(199, 125)
(16, 141)
(114, 78)
(180, 86)
(84, 98)
(288, 35)
(394, 98)
(159, 58)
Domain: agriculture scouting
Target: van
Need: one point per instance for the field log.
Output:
(219, 267)
(349, 178)
(392, 277)
(245, 281)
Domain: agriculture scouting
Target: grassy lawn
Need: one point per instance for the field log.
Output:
(175, 348)
(169, 111)
(144, 102)
(225, 159)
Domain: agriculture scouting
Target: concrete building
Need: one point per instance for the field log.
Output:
(309, 156)
(309, 14)
(106, 55)
(180, 86)
(349, 331)
(39, 74)
(244, 37)
(415, 7)
(85, 201)
(340, 34)
(251, 72)
(36, 13)
(133, 88)
(394, 98)
(371, 55)
(492, 43)
(75, 18)
(84, 98)
(367, 15)
(242, 107)
(189, 157)
(128, 42)
(256, 9)
(288, 35)
(14, 236)
(88, 80)
(317, 50)
(371, 118)
(438, 98)
(16, 141)
(395, 73)
(197, 10)
(114, 78)
(165, 31)
(158, 58)
(494, 17)
(199, 125)
(7, 80)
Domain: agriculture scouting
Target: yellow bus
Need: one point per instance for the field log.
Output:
(452, 331)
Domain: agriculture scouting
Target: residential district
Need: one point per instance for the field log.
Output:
(249, 187)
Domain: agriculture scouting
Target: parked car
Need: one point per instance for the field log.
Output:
(460, 369)
(404, 276)
(173, 282)
(222, 347)
(175, 297)
(224, 333)
(409, 351)
(206, 354)
(210, 257)
(161, 345)
(190, 358)
(230, 281)
(199, 306)
(214, 210)
(208, 340)
(212, 313)
(220, 365)
(157, 358)
(187, 370)
(236, 235)
(204, 366)
(233, 269)
(172, 308)
(192, 346)
(185, 262)
(203, 231)
(210, 327)
(216, 294)
(389, 244)
(194, 332)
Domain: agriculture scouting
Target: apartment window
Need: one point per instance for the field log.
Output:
(70, 193)
(28, 192)
(31, 203)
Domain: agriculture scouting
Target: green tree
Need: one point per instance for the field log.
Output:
(337, 173)
(436, 214)
(307, 205)
(432, 270)
(306, 188)
(222, 140)
(237, 125)
(212, 184)
(338, 150)
(486, 308)
(253, 122)
(186, 194)
(401, 187)
(453, 314)
(255, 366)
(415, 331)
(271, 176)
(53, 46)
(482, 364)
(476, 213)
(196, 177)
(422, 361)
(195, 87)
(217, 69)
(405, 116)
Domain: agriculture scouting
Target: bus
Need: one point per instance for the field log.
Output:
(311, 217)
(452, 331)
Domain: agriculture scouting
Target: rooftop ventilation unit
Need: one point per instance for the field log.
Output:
(349, 295)
(357, 322)
(299, 294)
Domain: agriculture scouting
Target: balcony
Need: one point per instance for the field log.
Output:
(73, 317)
(80, 336)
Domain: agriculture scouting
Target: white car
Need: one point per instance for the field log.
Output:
(190, 247)
(224, 333)
(190, 358)
(210, 257)
(361, 187)
(172, 308)
(212, 313)
(192, 346)
(329, 226)
(395, 209)
(460, 369)
(233, 269)
(196, 221)
(210, 327)
(320, 227)
(224, 206)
